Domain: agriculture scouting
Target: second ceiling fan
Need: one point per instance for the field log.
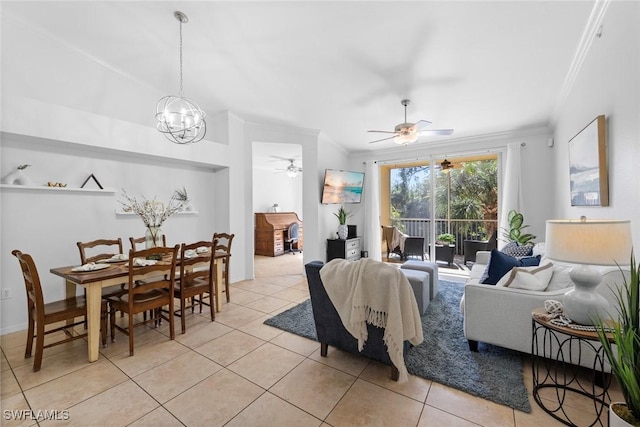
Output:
(406, 133)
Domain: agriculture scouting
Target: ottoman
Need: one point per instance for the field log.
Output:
(419, 281)
(429, 267)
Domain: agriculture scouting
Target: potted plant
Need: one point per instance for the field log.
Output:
(342, 215)
(520, 244)
(446, 239)
(625, 363)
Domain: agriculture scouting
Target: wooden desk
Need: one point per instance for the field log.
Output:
(94, 281)
(271, 230)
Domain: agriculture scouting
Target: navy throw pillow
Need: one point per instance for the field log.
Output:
(501, 263)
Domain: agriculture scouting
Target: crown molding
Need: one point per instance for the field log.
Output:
(592, 30)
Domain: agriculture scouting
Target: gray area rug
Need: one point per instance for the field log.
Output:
(494, 373)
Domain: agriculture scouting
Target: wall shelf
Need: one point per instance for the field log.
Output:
(63, 189)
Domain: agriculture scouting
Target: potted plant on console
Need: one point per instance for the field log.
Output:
(446, 239)
(343, 230)
(625, 364)
(520, 244)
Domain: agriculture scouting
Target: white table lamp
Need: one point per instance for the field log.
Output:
(588, 242)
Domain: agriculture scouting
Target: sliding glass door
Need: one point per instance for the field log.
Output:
(446, 201)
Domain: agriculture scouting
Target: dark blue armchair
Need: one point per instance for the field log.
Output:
(332, 332)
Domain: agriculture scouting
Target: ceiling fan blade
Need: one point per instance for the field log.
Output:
(382, 131)
(383, 139)
(421, 124)
(436, 132)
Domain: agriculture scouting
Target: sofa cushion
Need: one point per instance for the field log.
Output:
(515, 250)
(560, 278)
(534, 278)
(501, 263)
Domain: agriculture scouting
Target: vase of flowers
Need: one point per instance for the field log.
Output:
(154, 213)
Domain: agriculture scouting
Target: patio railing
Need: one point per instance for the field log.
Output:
(463, 229)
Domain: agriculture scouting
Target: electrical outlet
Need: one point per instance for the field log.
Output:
(6, 293)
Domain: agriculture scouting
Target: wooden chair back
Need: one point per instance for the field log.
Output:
(222, 244)
(106, 248)
(35, 299)
(194, 279)
(157, 278)
(149, 288)
(135, 241)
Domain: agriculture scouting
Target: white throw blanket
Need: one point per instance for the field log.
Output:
(397, 239)
(368, 291)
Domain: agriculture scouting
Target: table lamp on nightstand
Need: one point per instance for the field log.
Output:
(599, 242)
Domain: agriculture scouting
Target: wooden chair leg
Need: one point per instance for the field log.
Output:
(183, 322)
(37, 362)
(29, 347)
(130, 331)
(112, 318)
(212, 308)
(104, 314)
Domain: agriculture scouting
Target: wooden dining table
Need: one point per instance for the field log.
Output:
(116, 274)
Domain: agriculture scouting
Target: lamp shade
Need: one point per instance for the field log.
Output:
(593, 242)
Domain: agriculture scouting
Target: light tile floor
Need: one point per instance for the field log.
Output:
(237, 371)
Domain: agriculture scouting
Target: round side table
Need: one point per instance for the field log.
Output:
(559, 362)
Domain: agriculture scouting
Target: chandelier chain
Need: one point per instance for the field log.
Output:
(179, 119)
(180, 58)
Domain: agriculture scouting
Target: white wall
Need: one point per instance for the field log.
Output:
(331, 156)
(608, 83)
(270, 187)
(47, 224)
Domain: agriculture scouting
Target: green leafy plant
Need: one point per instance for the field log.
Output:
(181, 195)
(514, 232)
(625, 364)
(447, 238)
(342, 215)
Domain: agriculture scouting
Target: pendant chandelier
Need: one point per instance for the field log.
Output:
(179, 119)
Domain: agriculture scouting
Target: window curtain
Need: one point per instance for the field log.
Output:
(372, 229)
(511, 189)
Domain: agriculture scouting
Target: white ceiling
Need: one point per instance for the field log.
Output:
(340, 67)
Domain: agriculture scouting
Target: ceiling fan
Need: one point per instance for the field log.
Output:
(291, 170)
(406, 133)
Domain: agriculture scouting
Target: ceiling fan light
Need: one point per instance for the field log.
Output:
(446, 166)
(292, 171)
(406, 138)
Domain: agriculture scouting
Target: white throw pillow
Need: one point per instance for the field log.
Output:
(560, 278)
(530, 278)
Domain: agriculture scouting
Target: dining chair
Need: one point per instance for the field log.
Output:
(195, 281)
(41, 314)
(222, 244)
(135, 241)
(106, 249)
(149, 288)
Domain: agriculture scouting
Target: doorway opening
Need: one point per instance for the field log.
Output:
(277, 202)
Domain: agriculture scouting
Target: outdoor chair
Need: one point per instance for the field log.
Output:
(471, 247)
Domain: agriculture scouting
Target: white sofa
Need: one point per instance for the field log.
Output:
(502, 315)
